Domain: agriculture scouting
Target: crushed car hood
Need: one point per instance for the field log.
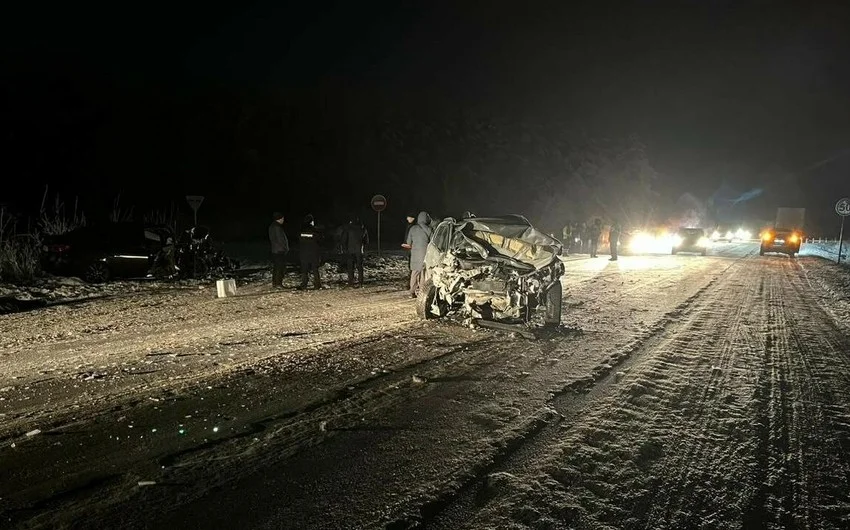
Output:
(509, 238)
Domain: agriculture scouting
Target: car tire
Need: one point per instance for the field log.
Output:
(97, 272)
(425, 301)
(554, 296)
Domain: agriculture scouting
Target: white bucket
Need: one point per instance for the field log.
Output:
(225, 288)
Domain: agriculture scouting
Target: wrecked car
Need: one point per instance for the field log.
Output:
(103, 252)
(496, 269)
(99, 253)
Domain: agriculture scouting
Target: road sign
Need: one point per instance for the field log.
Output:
(379, 203)
(195, 203)
(842, 207)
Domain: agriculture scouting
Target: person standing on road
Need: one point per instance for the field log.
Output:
(567, 237)
(418, 239)
(595, 233)
(614, 239)
(411, 222)
(308, 240)
(354, 241)
(280, 248)
(583, 238)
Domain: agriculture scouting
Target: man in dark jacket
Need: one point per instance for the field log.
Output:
(567, 237)
(354, 241)
(614, 239)
(280, 247)
(418, 239)
(308, 241)
(595, 232)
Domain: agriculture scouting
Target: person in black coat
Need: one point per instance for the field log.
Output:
(279, 247)
(614, 239)
(308, 241)
(354, 241)
(595, 233)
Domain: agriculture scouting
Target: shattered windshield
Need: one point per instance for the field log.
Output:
(511, 238)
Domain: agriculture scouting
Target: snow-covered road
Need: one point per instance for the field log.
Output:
(683, 391)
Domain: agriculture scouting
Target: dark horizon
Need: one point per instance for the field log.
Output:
(266, 107)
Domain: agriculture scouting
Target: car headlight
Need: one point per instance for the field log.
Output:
(767, 236)
(715, 235)
(730, 235)
(794, 238)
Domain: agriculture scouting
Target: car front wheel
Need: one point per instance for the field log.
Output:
(428, 304)
(553, 304)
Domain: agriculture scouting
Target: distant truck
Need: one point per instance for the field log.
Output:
(787, 233)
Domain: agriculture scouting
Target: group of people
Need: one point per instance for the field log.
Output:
(351, 240)
(583, 238)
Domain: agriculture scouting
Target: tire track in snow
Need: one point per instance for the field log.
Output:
(453, 506)
(706, 398)
(806, 435)
(679, 446)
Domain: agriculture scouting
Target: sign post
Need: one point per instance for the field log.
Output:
(195, 202)
(842, 208)
(379, 204)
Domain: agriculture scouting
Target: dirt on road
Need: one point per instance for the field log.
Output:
(681, 391)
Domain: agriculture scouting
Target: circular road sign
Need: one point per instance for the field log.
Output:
(379, 203)
(842, 207)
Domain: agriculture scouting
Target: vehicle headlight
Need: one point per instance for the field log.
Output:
(767, 236)
(729, 235)
(640, 242)
(794, 238)
(715, 235)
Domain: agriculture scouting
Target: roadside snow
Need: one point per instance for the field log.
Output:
(827, 251)
(51, 290)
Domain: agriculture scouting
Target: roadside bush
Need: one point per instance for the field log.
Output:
(20, 250)
(19, 253)
(54, 221)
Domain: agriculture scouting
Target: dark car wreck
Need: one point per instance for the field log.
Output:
(496, 269)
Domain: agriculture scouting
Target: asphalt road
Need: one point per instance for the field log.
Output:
(682, 391)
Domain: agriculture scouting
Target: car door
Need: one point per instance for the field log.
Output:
(131, 257)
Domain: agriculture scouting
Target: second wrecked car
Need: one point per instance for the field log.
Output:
(492, 269)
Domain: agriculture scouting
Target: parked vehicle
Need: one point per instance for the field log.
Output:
(497, 268)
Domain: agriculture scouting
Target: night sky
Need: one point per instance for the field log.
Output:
(143, 99)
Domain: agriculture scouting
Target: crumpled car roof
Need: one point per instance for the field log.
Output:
(509, 236)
